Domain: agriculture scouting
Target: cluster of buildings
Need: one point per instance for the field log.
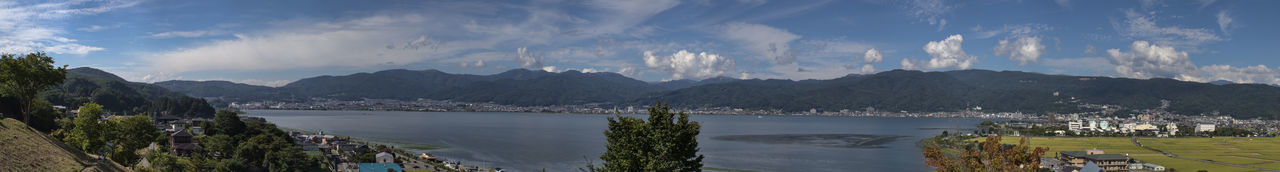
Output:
(341, 154)
(1079, 126)
(1095, 161)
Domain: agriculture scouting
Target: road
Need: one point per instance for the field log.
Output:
(1135, 142)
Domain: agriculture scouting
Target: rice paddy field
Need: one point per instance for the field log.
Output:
(1255, 152)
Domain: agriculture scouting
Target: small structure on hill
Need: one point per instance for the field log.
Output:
(181, 143)
(385, 157)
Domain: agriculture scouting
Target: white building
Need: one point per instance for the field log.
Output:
(1075, 126)
(1172, 128)
(1203, 127)
(385, 157)
(1104, 125)
(1146, 127)
(1128, 127)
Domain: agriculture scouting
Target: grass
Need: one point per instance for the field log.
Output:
(25, 149)
(1258, 152)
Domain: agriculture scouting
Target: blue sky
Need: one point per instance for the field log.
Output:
(275, 42)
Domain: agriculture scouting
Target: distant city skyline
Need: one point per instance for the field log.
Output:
(275, 42)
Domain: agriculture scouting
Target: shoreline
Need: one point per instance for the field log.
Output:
(690, 114)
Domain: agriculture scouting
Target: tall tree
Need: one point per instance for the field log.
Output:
(24, 77)
(228, 122)
(130, 134)
(664, 143)
(88, 131)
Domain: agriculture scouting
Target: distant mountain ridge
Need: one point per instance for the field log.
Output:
(116, 95)
(896, 90)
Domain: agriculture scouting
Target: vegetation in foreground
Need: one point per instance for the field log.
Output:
(957, 153)
(663, 143)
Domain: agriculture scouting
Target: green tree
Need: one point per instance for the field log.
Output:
(228, 122)
(664, 143)
(88, 131)
(219, 144)
(130, 134)
(25, 77)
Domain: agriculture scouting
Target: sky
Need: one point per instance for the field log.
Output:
(273, 43)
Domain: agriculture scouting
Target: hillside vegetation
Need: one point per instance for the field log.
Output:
(889, 91)
(25, 149)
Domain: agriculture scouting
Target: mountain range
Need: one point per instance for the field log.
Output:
(118, 96)
(896, 90)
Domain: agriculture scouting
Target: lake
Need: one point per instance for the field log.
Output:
(564, 142)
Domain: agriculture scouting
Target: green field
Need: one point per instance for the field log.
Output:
(1255, 152)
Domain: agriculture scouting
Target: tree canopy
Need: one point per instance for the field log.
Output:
(26, 76)
(664, 143)
(988, 155)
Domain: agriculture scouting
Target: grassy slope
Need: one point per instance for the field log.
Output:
(1200, 148)
(25, 149)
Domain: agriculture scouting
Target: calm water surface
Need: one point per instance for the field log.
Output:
(560, 142)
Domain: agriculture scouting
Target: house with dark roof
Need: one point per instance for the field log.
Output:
(1108, 162)
(181, 143)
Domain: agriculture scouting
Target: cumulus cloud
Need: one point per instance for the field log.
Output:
(1139, 26)
(1224, 22)
(550, 69)
(945, 54)
(687, 65)
(767, 42)
(1023, 50)
(28, 28)
(478, 63)
(872, 56)
(1146, 60)
(528, 59)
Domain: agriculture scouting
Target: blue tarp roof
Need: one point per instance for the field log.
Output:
(379, 167)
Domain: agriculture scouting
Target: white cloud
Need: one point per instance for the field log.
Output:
(945, 54)
(1248, 74)
(1017, 30)
(767, 42)
(185, 34)
(872, 56)
(621, 16)
(26, 28)
(1224, 22)
(551, 69)
(360, 42)
(528, 59)
(687, 65)
(930, 11)
(1089, 49)
(867, 68)
(1064, 3)
(478, 63)
(1149, 61)
(95, 28)
(1138, 26)
(1023, 50)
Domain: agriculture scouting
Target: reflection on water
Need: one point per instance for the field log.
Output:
(824, 140)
